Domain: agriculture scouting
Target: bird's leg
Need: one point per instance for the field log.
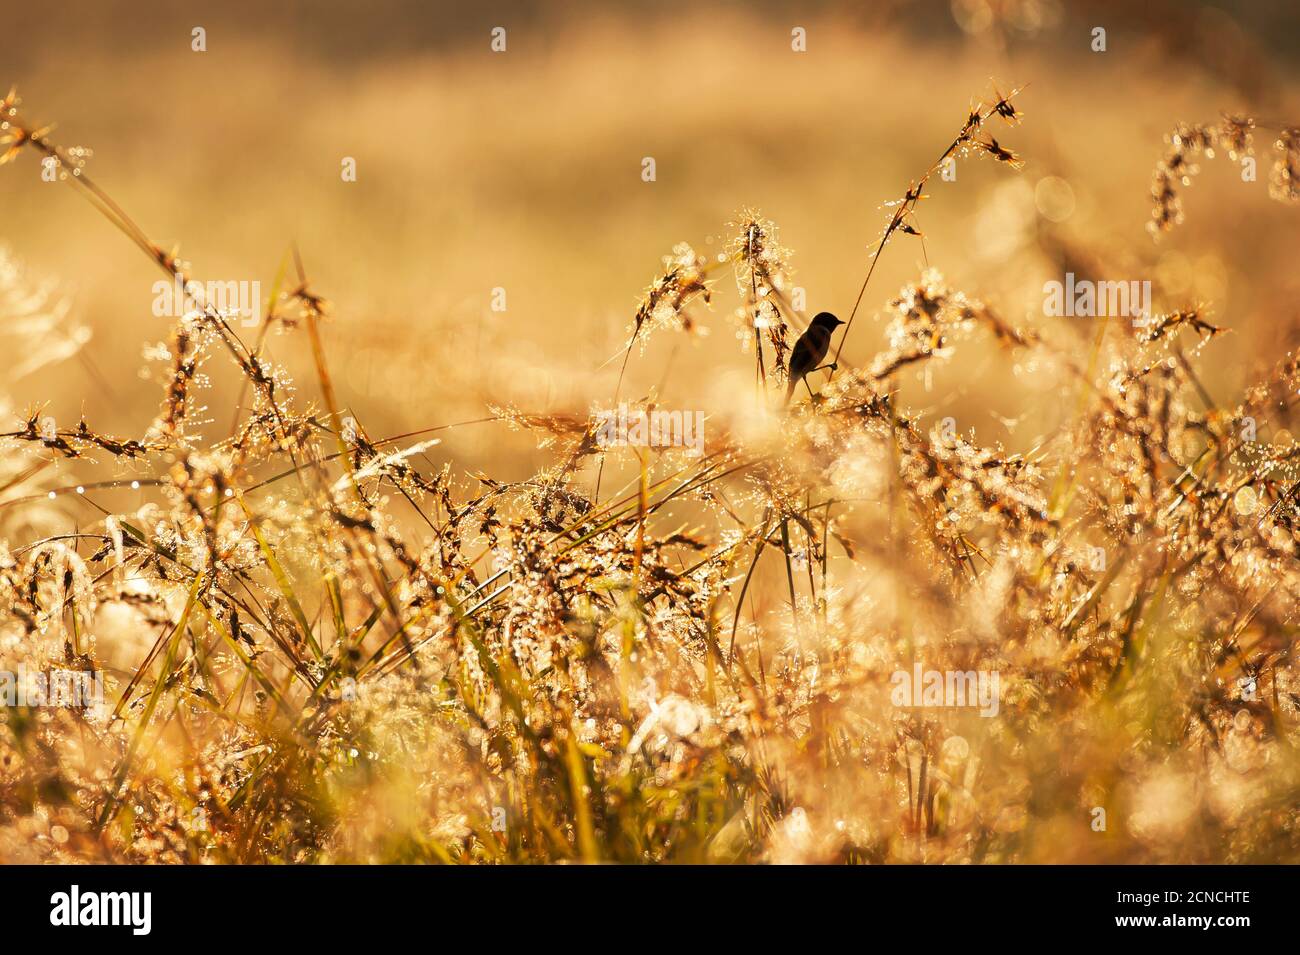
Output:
(809, 387)
(833, 366)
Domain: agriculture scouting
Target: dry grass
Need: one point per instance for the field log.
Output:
(319, 649)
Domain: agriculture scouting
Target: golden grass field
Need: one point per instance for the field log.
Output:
(381, 593)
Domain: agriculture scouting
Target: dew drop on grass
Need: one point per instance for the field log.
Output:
(955, 749)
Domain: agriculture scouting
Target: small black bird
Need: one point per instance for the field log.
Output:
(810, 349)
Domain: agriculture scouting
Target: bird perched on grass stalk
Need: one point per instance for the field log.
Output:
(810, 349)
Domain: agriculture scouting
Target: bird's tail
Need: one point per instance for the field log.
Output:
(789, 392)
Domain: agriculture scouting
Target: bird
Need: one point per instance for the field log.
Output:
(810, 349)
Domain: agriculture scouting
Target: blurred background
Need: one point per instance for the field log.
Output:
(522, 171)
